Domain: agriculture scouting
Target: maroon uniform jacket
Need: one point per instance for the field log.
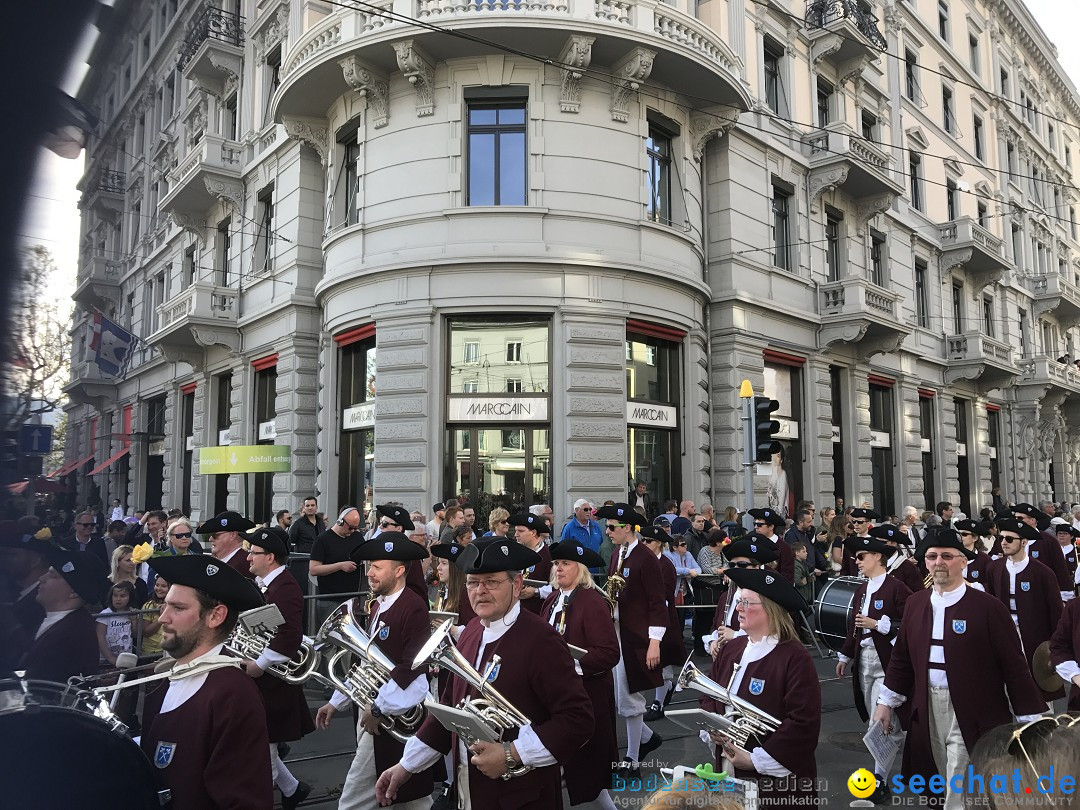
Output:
(642, 604)
(239, 561)
(540, 571)
(1065, 646)
(415, 580)
(551, 696)
(1038, 604)
(400, 632)
(69, 647)
(786, 564)
(287, 715)
(975, 573)
(786, 686)
(589, 626)
(1048, 551)
(909, 574)
(978, 650)
(21, 620)
(888, 600)
(209, 751)
(1070, 555)
(721, 610)
(672, 647)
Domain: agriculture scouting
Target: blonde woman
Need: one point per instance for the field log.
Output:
(498, 523)
(123, 570)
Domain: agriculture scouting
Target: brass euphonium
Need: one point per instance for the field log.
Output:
(615, 581)
(748, 720)
(491, 708)
(361, 680)
(245, 644)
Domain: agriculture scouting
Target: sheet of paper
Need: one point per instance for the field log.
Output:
(882, 747)
(577, 652)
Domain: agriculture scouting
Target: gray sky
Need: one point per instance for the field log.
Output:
(53, 214)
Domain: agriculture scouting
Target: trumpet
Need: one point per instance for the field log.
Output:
(361, 681)
(253, 633)
(748, 720)
(491, 708)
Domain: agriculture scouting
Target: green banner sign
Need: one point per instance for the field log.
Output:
(245, 459)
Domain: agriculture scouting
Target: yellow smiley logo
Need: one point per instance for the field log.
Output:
(862, 783)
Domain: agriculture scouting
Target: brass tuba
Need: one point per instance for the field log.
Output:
(361, 680)
(748, 720)
(491, 708)
(253, 635)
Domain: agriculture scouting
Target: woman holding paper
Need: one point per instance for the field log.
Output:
(578, 611)
(770, 669)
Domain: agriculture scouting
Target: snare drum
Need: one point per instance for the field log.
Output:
(834, 610)
(58, 751)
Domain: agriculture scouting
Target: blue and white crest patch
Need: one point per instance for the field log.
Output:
(580, 551)
(626, 572)
(388, 546)
(959, 626)
(1025, 586)
(1035, 554)
(211, 569)
(163, 755)
(384, 633)
(975, 574)
(493, 673)
(879, 604)
(757, 686)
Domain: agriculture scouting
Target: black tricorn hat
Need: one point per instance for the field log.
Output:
(224, 522)
(448, 551)
(86, 573)
(574, 551)
(270, 539)
(770, 585)
(212, 577)
(886, 531)
(530, 521)
(390, 546)
(398, 514)
(944, 538)
(871, 543)
(755, 546)
(494, 555)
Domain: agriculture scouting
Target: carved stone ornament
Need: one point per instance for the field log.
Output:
(824, 47)
(229, 338)
(277, 29)
(628, 74)
(852, 69)
(842, 333)
(191, 224)
(195, 359)
(868, 209)
(417, 68)
(229, 192)
(308, 132)
(955, 258)
(371, 85)
(704, 127)
(823, 180)
(575, 57)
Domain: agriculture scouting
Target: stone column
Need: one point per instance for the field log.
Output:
(908, 450)
(857, 446)
(201, 427)
(589, 347)
(816, 433)
(296, 421)
(241, 391)
(979, 455)
(174, 450)
(950, 474)
(697, 478)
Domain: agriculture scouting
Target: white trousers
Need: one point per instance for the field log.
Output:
(871, 679)
(627, 703)
(358, 793)
(947, 743)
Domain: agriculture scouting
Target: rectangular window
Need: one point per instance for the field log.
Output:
(1025, 334)
(155, 417)
(881, 453)
(348, 181)
(470, 386)
(223, 253)
(136, 224)
(658, 155)
(832, 246)
(915, 177)
(781, 234)
(653, 374)
(496, 138)
(993, 427)
(265, 411)
(963, 460)
(958, 308)
(1003, 85)
(824, 102)
(1050, 137)
(988, 316)
(911, 81)
(513, 351)
(983, 215)
(513, 385)
(772, 54)
(877, 258)
(922, 301)
(943, 20)
(948, 116)
(869, 126)
(1068, 159)
(926, 433)
(471, 354)
(1072, 221)
(516, 349)
(977, 136)
(1010, 159)
(952, 200)
(265, 233)
(271, 81)
(190, 261)
(229, 119)
(973, 49)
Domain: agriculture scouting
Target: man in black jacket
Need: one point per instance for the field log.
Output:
(84, 539)
(306, 527)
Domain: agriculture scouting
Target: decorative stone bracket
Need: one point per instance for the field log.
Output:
(864, 343)
(229, 65)
(229, 192)
(229, 338)
(192, 224)
(576, 56)
(417, 68)
(868, 209)
(309, 131)
(825, 180)
(371, 85)
(704, 127)
(628, 74)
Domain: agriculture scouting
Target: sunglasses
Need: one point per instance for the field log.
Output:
(181, 534)
(759, 523)
(386, 524)
(84, 524)
(613, 526)
(946, 557)
(741, 564)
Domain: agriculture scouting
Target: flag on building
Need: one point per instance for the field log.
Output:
(111, 346)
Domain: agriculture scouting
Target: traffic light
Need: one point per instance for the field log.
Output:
(765, 429)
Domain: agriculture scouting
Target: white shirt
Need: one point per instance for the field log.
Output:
(418, 755)
(117, 513)
(183, 689)
(1014, 568)
(229, 556)
(268, 657)
(51, 618)
(884, 623)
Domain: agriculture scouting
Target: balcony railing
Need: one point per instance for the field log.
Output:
(111, 183)
(199, 302)
(1045, 370)
(820, 13)
(211, 23)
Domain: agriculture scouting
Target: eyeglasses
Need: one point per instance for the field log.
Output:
(745, 603)
(741, 564)
(180, 534)
(489, 584)
(946, 557)
(386, 524)
(263, 553)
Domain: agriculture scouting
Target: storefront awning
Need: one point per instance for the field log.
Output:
(108, 462)
(71, 466)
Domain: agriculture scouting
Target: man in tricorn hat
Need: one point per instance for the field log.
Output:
(394, 518)
(530, 530)
(552, 697)
(208, 739)
(226, 541)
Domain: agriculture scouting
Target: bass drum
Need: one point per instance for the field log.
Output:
(834, 610)
(58, 752)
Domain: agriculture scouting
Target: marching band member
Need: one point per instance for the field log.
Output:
(752, 551)
(551, 696)
(770, 668)
(393, 518)
(529, 530)
(287, 715)
(672, 648)
(961, 628)
(398, 624)
(225, 540)
(771, 524)
(452, 595)
(868, 645)
(580, 613)
(641, 619)
(898, 565)
(207, 735)
(862, 521)
(1027, 588)
(1065, 651)
(970, 533)
(1066, 537)
(1045, 549)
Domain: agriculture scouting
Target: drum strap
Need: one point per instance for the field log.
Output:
(185, 671)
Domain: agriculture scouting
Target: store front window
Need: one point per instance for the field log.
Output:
(926, 434)
(266, 433)
(356, 452)
(783, 382)
(881, 450)
(654, 449)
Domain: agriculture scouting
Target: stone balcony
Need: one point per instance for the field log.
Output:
(964, 243)
(98, 282)
(1056, 295)
(1055, 380)
(633, 40)
(857, 312)
(839, 158)
(105, 194)
(844, 33)
(201, 316)
(213, 48)
(89, 385)
(975, 356)
(210, 172)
